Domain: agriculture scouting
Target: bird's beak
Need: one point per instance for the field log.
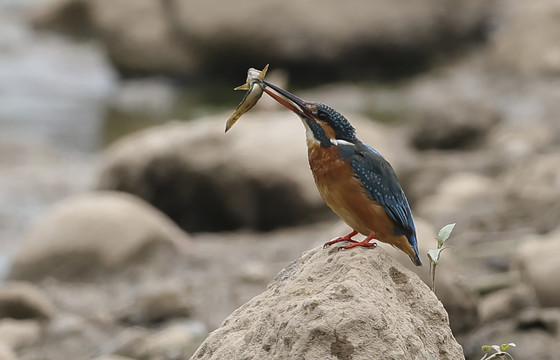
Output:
(294, 103)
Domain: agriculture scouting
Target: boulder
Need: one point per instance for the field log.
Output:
(256, 176)
(456, 125)
(93, 233)
(330, 304)
(188, 37)
(21, 300)
(506, 303)
(526, 40)
(156, 305)
(537, 261)
(473, 200)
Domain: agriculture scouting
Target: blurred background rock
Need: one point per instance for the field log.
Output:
(132, 95)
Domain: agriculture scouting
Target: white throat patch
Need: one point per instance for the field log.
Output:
(337, 142)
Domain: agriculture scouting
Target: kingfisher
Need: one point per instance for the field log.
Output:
(354, 179)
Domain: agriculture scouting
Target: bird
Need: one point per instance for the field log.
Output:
(353, 178)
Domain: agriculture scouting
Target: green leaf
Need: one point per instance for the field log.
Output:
(433, 254)
(444, 234)
(486, 348)
(504, 347)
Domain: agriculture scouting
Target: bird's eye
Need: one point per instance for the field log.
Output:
(321, 115)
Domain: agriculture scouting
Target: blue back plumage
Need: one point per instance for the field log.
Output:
(381, 185)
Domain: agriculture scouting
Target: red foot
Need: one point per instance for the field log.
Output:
(347, 237)
(364, 243)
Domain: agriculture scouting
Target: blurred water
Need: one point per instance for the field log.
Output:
(51, 89)
(54, 95)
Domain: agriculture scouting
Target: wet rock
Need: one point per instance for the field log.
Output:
(526, 40)
(93, 233)
(21, 300)
(337, 304)
(256, 176)
(453, 126)
(18, 334)
(191, 36)
(538, 262)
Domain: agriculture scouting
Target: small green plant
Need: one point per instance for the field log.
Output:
(434, 254)
(500, 352)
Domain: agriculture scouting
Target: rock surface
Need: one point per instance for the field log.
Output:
(256, 176)
(333, 304)
(93, 233)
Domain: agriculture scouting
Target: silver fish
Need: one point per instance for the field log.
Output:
(255, 86)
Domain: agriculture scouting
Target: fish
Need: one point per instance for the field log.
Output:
(255, 87)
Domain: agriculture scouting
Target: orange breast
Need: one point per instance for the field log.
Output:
(345, 195)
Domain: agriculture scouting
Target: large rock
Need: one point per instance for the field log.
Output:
(329, 304)
(456, 125)
(506, 303)
(255, 176)
(467, 198)
(157, 305)
(189, 36)
(91, 233)
(538, 262)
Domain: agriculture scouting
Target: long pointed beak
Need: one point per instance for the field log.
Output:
(293, 103)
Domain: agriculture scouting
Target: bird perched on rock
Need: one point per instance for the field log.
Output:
(355, 181)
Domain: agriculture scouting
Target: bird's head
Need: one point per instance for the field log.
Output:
(324, 125)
